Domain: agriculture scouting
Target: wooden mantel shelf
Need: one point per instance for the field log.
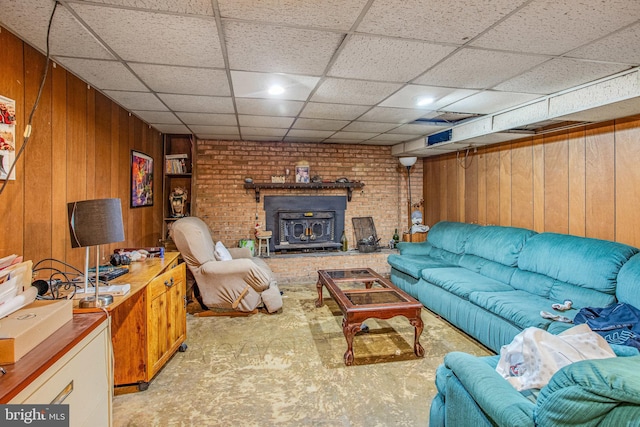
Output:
(349, 186)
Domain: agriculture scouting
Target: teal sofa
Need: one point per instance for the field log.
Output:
(492, 282)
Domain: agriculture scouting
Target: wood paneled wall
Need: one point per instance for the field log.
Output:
(584, 181)
(79, 149)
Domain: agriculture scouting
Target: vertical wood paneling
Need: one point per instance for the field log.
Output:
(522, 184)
(493, 185)
(452, 189)
(470, 184)
(505, 186)
(556, 184)
(600, 182)
(38, 182)
(627, 143)
(79, 149)
(538, 184)
(61, 243)
(11, 204)
(576, 141)
(482, 187)
(444, 194)
(431, 191)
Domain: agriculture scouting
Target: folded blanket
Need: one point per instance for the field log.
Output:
(534, 355)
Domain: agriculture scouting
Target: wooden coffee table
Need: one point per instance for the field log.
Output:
(361, 294)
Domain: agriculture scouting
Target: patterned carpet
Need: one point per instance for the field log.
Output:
(287, 369)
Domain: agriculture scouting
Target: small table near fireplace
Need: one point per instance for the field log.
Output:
(361, 294)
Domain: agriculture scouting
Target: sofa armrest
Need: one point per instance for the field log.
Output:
(592, 392)
(409, 248)
(240, 252)
(502, 403)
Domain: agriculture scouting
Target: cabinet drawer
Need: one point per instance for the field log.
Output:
(160, 284)
(81, 379)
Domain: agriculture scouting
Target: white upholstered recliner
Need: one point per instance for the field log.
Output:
(242, 283)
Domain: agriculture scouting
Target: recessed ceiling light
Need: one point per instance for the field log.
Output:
(276, 90)
(423, 100)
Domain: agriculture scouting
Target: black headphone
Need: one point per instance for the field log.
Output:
(120, 259)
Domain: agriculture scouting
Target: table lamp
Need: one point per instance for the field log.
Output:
(94, 223)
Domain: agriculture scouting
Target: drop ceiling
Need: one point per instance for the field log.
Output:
(376, 72)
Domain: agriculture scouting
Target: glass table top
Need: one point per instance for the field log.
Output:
(369, 298)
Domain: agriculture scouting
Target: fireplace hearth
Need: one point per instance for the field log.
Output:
(305, 223)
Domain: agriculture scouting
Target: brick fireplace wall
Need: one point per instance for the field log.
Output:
(230, 210)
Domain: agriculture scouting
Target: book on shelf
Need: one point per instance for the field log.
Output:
(176, 163)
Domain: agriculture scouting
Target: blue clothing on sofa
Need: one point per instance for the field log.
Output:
(618, 323)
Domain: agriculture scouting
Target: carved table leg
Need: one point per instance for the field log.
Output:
(319, 301)
(349, 331)
(417, 347)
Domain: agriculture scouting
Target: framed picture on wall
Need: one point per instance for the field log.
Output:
(302, 171)
(141, 180)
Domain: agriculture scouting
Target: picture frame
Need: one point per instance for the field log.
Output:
(302, 172)
(141, 179)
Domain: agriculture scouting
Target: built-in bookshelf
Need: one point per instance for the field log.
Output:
(178, 189)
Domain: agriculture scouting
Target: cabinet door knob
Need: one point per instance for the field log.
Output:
(168, 283)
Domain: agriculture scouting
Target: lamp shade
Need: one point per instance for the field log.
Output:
(408, 161)
(95, 222)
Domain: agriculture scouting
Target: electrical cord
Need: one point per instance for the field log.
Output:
(27, 130)
(56, 282)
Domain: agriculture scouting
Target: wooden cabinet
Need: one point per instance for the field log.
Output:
(179, 175)
(149, 324)
(73, 366)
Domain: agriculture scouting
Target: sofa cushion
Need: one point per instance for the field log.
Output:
(451, 236)
(461, 282)
(487, 268)
(533, 283)
(519, 307)
(497, 243)
(586, 262)
(628, 289)
(414, 264)
(580, 296)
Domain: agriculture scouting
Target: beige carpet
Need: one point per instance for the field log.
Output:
(287, 369)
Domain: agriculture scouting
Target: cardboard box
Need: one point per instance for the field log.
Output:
(24, 329)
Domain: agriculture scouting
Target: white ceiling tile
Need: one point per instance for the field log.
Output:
(265, 121)
(488, 102)
(29, 19)
(198, 104)
(103, 74)
(268, 107)
(223, 137)
(158, 117)
(417, 129)
(132, 101)
(377, 58)
(258, 131)
(379, 142)
(192, 7)
(452, 21)
(155, 37)
(410, 95)
(315, 110)
(353, 91)
(559, 74)
(257, 85)
(392, 137)
(358, 126)
(355, 135)
(177, 129)
(253, 47)
(320, 124)
(208, 119)
(341, 141)
(555, 27)
(623, 46)
(302, 139)
(218, 130)
(393, 115)
(335, 14)
(183, 80)
(321, 134)
(478, 68)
